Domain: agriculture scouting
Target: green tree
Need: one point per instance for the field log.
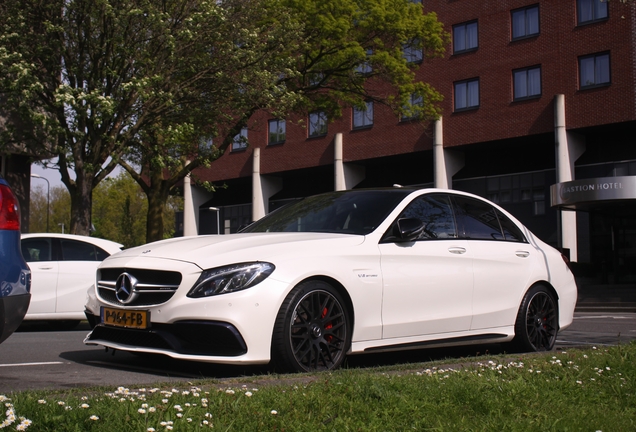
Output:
(38, 207)
(91, 75)
(120, 208)
(162, 80)
(59, 205)
(341, 53)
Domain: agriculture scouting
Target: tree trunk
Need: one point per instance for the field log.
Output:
(81, 205)
(157, 198)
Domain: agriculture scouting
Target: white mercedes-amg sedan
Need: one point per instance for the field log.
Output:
(337, 274)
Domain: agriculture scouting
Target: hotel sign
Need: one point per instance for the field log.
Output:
(575, 193)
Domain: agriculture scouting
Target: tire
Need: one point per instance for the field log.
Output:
(312, 330)
(537, 322)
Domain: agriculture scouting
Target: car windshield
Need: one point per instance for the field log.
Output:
(347, 212)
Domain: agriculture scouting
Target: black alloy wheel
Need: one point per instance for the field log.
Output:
(537, 323)
(313, 330)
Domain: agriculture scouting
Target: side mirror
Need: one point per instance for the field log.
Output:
(408, 229)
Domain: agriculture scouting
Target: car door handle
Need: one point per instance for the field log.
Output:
(456, 250)
(522, 254)
(45, 267)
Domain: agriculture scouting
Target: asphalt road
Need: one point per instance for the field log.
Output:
(36, 357)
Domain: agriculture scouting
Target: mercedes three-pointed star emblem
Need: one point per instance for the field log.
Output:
(126, 288)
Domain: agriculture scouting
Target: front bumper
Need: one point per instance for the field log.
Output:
(183, 338)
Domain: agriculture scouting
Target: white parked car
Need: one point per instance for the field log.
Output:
(335, 274)
(62, 270)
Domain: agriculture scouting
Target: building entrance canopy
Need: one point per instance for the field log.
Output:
(588, 194)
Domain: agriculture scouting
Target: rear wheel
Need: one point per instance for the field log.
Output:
(312, 330)
(537, 321)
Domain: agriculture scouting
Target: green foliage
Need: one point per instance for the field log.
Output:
(577, 390)
(59, 207)
(119, 211)
(340, 36)
(163, 87)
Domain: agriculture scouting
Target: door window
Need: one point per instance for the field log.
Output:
(36, 249)
(79, 251)
(511, 231)
(436, 214)
(479, 219)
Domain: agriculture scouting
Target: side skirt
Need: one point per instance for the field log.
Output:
(456, 341)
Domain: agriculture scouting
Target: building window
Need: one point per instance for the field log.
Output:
(365, 68)
(316, 78)
(277, 131)
(240, 140)
(411, 111)
(363, 118)
(525, 188)
(317, 124)
(467, 94)
(412, 51)
(465, 37)
(594, 70)
(525, 22)
(588, 11)
(527, 83)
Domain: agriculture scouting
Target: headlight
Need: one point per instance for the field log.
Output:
(236, 277)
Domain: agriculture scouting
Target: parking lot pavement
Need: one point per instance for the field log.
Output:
(602, 328)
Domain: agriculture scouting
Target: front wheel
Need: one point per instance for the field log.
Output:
(312, 330)
(537, 321)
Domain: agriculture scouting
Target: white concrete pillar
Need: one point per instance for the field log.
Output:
(446, 163)
(263, 187)
(258, 203)
(339, 175)
(568, 148)
(190, 213)
(440, 178)
(346, 176)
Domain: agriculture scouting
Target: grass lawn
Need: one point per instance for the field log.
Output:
(575, 390)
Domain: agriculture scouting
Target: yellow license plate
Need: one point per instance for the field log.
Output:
(125, 318)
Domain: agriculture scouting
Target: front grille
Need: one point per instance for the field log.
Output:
(154, 287)
(183, 337)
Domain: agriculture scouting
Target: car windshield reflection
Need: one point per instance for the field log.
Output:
(344, 212)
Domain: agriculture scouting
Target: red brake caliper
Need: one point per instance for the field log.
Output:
(328, 326)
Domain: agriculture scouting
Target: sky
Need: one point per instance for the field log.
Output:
(53, 176)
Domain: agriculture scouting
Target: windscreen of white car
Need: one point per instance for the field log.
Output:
(347, 212)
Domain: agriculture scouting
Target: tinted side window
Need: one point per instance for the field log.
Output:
(78, 251)
(511, 232)
(36, 249)
(101, 254)
(436, 214)
(478, 219)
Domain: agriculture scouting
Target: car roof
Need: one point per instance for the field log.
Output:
(108, 245)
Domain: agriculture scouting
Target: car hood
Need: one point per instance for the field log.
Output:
(205, 251)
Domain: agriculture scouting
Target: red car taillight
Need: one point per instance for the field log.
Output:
(9, 210)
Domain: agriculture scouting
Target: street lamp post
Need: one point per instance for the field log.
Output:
(218, 224)
(48, 198)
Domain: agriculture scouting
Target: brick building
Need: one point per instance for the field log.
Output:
(539, 116)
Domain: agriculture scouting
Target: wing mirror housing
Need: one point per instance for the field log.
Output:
(408, 229)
